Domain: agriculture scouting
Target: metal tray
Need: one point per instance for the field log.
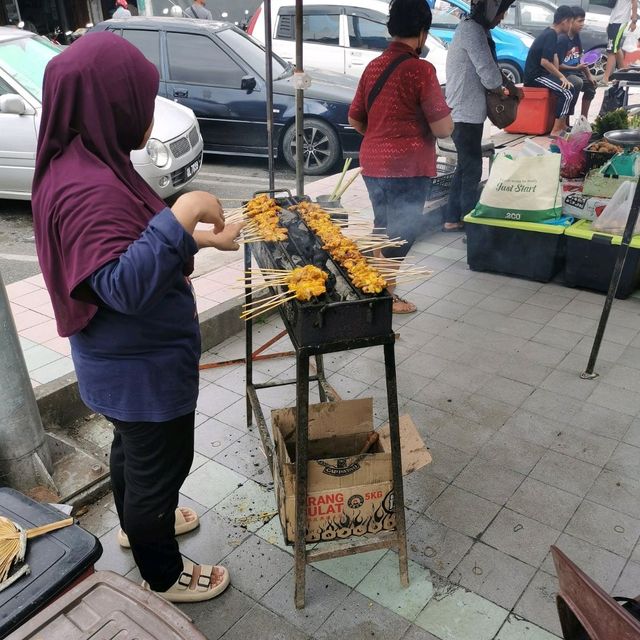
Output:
(627, 138)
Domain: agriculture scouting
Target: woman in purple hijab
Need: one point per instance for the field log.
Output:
(116, 262)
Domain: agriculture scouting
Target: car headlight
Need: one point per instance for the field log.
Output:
(158, 152)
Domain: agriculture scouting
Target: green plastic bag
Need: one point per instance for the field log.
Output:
(526, 189)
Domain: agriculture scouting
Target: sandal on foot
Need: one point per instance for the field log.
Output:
(182, 525)
(400, 305)
(195, 583)
(458, 228)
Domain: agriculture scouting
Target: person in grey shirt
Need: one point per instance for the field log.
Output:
(198, 10)
(472, 69)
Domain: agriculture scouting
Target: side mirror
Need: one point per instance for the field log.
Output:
(13, 103)
(248, 84)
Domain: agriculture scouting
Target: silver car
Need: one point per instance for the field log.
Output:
(171, 159)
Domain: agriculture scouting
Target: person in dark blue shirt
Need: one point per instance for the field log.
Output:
(116, 261)
(542, 68)
(570, 53)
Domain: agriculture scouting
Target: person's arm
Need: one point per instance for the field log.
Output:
(480, 55)
(138, 279)
(357, 110)
(433, 105)
(634, 15)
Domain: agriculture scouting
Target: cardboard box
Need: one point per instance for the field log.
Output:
(583, 207)
(349, 494)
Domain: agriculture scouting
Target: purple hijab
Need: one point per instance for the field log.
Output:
(89, 203)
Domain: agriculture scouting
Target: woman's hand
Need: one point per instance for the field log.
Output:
(198, 206)
(224, 240)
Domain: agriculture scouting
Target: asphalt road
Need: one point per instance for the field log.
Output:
(232, 179)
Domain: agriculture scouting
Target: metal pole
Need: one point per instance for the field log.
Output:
(613, 285)
(299, 106)
(269, 90)
(25, 460)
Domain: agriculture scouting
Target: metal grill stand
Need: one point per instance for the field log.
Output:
(386, 540)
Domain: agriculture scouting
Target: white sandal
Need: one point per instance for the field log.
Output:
(182, 526)
(185, 589)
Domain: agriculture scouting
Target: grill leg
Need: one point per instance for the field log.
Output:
(302, 436)
(248, 335)
(321, 378)
(396, 460)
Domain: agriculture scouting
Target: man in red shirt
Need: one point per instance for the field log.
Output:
(400, 109)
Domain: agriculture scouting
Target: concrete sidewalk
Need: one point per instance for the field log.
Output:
(526, 454)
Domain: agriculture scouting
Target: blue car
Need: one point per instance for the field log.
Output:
(512, 46)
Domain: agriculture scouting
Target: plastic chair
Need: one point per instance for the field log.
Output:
(586, 611)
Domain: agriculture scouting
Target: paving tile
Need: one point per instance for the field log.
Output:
(235, 416)
(509, 391)
(583, 445)
(558, 337)
(622, 336)
(493, 575)
(410, 385)
(616, 491)
(435, 546)
(524, 370)
(462, 615)
(213, 436)
(601, 421)
(635, 555)
(521, 537)
(601, 565)
(235, 379)
(214, 399)
(448, 309)
(463, 434)
(259, 622)
(484, 410)
(245, 456)
(624, 460)
(511, 452)
(463, 511)
(481, 284)
(114, 557)
(571, 322)
(323, 594)
(463, 296)
(531, 427)
(447, 462)
(358, 618)
(213, 540)
(535, 313)
(351, 570)
(500, 305)
(518, 293)
(101, 517)
(630, 358)
(256, 566)
(515, 628)
(554, 406)
(421, 489)
(488, 480)
(425, 365)
(570, 383)
(215, 617)
(364, 369)
(612, 397)
(628, 581)
(548, 301)
(462, 376)
(632, 435)
(249, 506)
(605, 528)
(544, 503)
(538, 602)
(211, 483)
(382, 585)
(623, 377)
(349, 388)
(416, 633)
(566, 473)
(39, 356)
(609, 349)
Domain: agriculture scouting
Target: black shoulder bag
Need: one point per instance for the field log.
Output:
(384, 76)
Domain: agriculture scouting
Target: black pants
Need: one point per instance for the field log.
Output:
(463, 196)
(398, 207)
(149, 463)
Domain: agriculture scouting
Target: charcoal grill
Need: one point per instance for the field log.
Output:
(343, 319)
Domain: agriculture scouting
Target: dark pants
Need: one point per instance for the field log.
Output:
(580, 83)
(398, 207)
(564, 97)
(463, 194)
(149, 463)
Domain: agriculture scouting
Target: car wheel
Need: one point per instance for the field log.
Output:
(511, 71)
(598, 67)
(321, 147)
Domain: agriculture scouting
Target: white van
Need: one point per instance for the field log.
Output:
(339, 35)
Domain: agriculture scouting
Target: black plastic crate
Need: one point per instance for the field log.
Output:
(57, 560)
(591, 257)
(522, 249)
(441, 184)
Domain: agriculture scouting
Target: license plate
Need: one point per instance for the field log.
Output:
(192, 169)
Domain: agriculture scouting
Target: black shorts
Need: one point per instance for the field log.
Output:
(615, 37)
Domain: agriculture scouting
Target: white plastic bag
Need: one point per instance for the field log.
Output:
(630, 42)
(581, 125)
(614, 217)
